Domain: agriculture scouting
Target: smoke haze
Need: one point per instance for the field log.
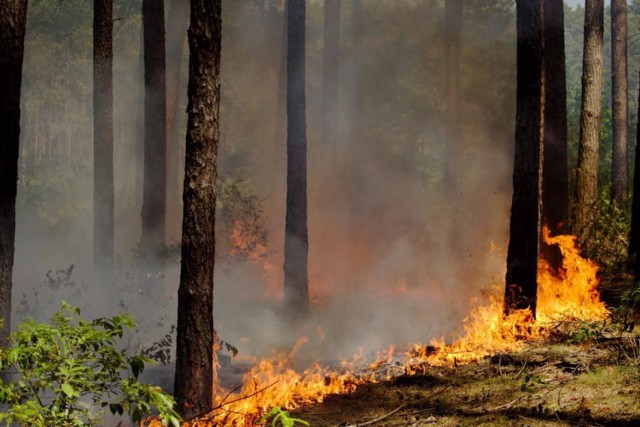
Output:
(395, 257)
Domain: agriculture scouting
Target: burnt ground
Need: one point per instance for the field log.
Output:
(593, 383)
(585, 375)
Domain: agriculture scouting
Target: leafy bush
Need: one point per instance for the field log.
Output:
(68, 372)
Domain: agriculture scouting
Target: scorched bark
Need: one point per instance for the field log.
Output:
(194, 346)
(524, 232)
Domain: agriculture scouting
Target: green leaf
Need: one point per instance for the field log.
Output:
(68, 390)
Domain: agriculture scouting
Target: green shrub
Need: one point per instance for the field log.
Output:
(68, 372)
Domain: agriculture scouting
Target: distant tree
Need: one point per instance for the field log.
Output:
(13, 17)
(634, 238)
(619, 103)
(103, 227)
(522, 256)
(586, 192)
(280, 128)
(330, 73)
(193, 387)
(155, 126)
(555, 182)
(296, 245)
(177, 26)
(452, 32)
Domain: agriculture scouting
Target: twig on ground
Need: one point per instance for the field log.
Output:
(524, 365)
(478, 411)
(380, 418)
(244, 397)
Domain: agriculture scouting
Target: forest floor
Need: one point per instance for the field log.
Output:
(593, 383)
(589, 377)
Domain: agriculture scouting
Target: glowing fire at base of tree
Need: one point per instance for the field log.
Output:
(570, 294)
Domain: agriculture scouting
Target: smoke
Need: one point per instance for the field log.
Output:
(395, 257)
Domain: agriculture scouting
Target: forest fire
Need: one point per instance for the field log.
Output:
(569, 295)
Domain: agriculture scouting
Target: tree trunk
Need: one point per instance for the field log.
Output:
(586, 194)
(634, 239)
(296, 246)
(555, 191)
(13, 17)
(194, 346)
(452, 31)
(619, 107)
(330, 74)
(155, 127)
(522, 256)
(177, 26)
(103, 228)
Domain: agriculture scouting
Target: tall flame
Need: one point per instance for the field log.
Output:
(569, 294)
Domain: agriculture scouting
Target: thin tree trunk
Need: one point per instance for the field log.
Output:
(522, 256)
(619, 107)
(177, 25)
(194, 347)
(103, 227)
(555, 191)
(452, 31)
(586, 193)
(155, 126)
(13, 17)
(330, 73)
(634, 239)
(296, 246)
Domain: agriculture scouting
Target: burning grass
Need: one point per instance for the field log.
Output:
(569, 294)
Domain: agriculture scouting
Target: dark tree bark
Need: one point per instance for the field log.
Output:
(555, 190)
(619, 107)
(103, 228)
(155, 126)
(452, 32)
(634, 239)
(177, 26)
(586, 193)
(522, 255)
(330, 73)
(13, 18)
(296, 245)
(194, 346)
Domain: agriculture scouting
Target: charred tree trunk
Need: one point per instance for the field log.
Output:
(194, 346)
(555, 191)
(103, 227)
(634, 238)
(586, 194)
(330, 74)
(619, 107)
(524, 233)
(155, 127)
(452, 31)
(13, 18)
(296, 245)
(177, 27)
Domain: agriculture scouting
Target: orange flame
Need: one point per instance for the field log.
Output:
(274, 382)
